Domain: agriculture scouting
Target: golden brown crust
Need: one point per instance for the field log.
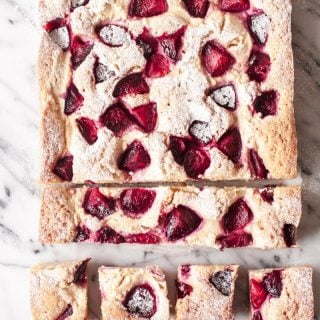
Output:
(57, 219)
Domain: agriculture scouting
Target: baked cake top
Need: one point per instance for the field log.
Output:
(168, 90)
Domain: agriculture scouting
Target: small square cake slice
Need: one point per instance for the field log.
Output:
(59, 291)
(133, 293)
(205, 292)
(281, 294)
(166, 90)
(209, 217)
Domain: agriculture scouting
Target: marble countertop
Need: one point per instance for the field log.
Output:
(19, 191)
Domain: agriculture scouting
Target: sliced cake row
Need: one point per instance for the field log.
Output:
(59, 292)
(263, 218)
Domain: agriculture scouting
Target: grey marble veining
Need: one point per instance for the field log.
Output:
(19, 193)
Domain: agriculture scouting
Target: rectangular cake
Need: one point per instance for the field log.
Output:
(59, 291)
(166, 90)
(281, 294)
(133, 293)
(212, 217)
(205, 292)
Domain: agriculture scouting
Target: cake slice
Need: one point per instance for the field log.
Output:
(218, 218)
(280, 294)
(133, 293)
(205, 292)
(154, 91)
(59, 291)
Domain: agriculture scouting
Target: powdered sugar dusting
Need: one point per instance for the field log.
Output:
(60, 36)
(103, 73)
(78, 3)
(114, 35)
(225, 96)
(260, 26)
(141, 302)
(202, 131)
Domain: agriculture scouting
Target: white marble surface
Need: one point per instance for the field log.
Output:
(19, 192)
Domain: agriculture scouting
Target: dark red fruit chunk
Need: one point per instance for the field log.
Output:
(63, 168)
(289, 234)
(112, 35)
(231, 145)
(201, 131)
(134, 83)
(272, 282)
(141, 301)
(257, 316)
(102, 72)
(117, 119)
(80, 275)
(259, 66)
(267, 195)
(74, 100)
(222, 281)
(266, 103)
(235, 240)
(80, 49)
(183, 289)
(147, 8)
(216, 59)
(258, 294)
(148, 43)
(178, 147)
(256, 166)
(78, 3)
(59, 33)
(83, 234)
(146, 116)
(88, 129)
(237, 217)
(134, 158)
(66, 313)
(197, 8)
(136, 201)
(181, 222)
(157, 66)
(259, 26)
(172, 44)
(196, 162)
(143, 238)
(97, 204)
(234, 5)
(185, 269)
(108, 235)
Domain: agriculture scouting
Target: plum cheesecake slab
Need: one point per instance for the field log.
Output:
(59, 291)
(211, 217)
(167, 90)
(280, 294)
(133, 293)
(205, 292)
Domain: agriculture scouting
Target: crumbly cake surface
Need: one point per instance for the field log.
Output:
(294, 300)
(231, 142)
(59, 291)
(212, 217)
(116, 285)
(205, 292)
